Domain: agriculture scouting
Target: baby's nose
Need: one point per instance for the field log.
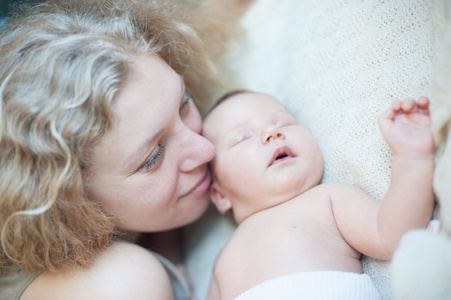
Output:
(271, 133)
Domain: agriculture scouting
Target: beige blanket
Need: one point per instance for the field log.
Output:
(336, 65)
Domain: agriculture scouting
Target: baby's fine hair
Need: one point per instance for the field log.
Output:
(226, 96)
(61, 65)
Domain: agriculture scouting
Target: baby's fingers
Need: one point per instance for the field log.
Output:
(423, 105)
(389, 114)
(396, 106)
(409, 105)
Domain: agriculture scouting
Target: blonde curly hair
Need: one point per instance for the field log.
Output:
(61, 65)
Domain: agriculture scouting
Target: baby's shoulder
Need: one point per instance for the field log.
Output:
(123, 271)
(333, 186)
(318, 195)
(330, 190)
(319, 200)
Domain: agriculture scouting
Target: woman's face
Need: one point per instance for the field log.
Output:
(149, 169)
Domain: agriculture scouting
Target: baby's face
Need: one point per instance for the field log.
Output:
(264, 156)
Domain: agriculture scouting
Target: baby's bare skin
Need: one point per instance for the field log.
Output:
(321, 227)
(296, 236)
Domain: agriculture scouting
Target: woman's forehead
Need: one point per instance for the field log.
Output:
(147, 103)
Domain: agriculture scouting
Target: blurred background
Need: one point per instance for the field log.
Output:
(7, 6)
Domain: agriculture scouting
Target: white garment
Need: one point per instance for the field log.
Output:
(318, 285)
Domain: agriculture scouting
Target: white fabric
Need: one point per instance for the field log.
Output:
(337, 65)
(420, 265)
(319, 285)
(441, 114)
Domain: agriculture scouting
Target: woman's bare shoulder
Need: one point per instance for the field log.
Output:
(123, 271)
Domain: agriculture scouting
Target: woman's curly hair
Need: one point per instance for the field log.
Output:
(61, 64)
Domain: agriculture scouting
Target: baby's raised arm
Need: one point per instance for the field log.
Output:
(375, 228)
(409, 201)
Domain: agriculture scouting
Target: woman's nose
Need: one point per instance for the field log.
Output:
(271, 133)
(198, 151)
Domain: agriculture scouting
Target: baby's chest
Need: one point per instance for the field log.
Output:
(307, 235)
(296, 228)
(306, 224)
(288, 246)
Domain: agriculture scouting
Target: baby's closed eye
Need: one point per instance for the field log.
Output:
(241, 137)
(286, 121)
(283, 123)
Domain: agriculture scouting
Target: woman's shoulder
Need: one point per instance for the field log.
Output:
(123, 271)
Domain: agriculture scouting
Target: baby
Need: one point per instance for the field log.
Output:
(267, 168)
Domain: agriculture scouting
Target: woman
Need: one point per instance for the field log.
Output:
(99, 136)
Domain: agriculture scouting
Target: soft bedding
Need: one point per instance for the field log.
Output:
(336, 65)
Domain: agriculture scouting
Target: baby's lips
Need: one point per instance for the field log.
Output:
(281, 154)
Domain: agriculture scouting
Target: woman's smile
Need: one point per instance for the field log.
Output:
(201, 187)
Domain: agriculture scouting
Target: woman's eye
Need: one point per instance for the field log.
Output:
(185, 102)
(154, 159)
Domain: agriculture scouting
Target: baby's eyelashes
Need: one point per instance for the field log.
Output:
(284, 123)
(241, 137)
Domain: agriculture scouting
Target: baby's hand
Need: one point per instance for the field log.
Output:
(406, 127)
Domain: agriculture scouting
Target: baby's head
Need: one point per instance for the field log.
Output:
(264, 156)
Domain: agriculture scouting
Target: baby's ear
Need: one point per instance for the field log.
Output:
(222, 203)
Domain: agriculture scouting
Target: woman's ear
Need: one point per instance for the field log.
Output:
(221, 202)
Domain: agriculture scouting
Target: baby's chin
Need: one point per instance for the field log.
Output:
(290, 190)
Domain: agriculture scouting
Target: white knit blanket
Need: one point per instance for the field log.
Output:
(336, 65)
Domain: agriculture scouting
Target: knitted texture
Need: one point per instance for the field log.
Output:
(336, 65)
(420, 265)
(441, 114)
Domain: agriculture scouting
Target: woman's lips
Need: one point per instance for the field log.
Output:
(281, 154)
(201, 187)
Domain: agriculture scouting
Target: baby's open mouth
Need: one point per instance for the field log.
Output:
(280, 155)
